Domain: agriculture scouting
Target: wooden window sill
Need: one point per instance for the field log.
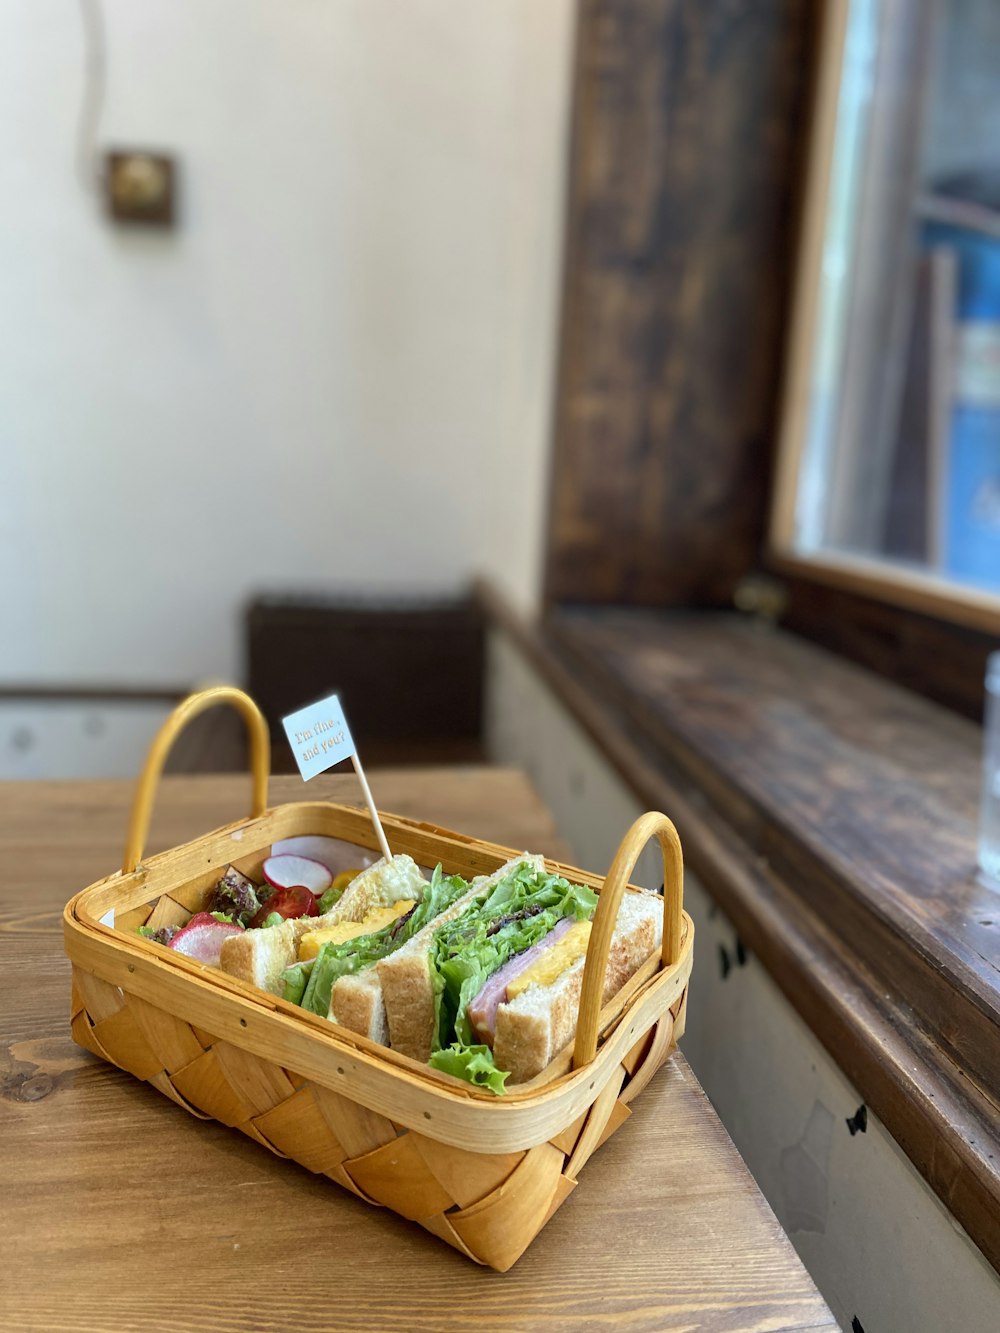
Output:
(833, 816)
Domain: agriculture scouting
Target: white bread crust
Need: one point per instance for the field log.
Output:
(357, 1004)
(405, 975)
(260, 956)
(533, 1028)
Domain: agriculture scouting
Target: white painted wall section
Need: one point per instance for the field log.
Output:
(336, 374)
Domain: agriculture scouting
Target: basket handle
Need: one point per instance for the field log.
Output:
(652, 824)
(186, 710)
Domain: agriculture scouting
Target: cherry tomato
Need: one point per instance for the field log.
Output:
(288, 903)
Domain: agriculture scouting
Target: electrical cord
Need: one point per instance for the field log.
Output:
(92, 99)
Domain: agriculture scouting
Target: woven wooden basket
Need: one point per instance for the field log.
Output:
(483, 1173)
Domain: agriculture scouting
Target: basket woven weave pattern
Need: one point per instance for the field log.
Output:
(488, 1206)
(129, 1007)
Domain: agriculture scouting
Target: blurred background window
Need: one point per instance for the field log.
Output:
(889, 471)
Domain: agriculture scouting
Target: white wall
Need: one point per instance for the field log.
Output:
(336, 373)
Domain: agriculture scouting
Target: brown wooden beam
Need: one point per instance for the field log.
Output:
(687, 130)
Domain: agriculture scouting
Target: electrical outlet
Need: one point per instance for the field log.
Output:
(140, 187)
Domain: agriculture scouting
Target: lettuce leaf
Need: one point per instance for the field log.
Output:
(294, 980)
(329, 900)
(340, 960)
(522, 908)
(516, 914)
(472, 1063)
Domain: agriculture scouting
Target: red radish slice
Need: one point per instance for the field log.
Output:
(287, 872)
(330, 852)
(202, 938)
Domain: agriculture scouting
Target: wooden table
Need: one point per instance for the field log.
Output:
(119, 1212)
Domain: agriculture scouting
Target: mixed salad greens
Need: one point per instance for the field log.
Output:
(238, 903)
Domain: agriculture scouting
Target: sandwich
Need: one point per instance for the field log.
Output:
(336, 975)
(374, 898)
(408, 979)
(490, 991)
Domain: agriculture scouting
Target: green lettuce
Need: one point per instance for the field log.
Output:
(474, 1064)
(295, 979)
(340, 960)
(522, 908)
(329, 900)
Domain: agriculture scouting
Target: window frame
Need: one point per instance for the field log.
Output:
(896, 585)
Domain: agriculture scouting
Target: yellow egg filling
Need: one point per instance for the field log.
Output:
(554, 961)
(313, 940)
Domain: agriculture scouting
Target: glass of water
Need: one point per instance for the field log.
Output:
(989, 818)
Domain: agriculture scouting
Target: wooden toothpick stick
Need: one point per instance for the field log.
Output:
(370, 801)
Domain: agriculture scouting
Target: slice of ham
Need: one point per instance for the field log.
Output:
(483, 1007)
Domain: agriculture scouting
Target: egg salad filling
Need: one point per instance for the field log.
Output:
(313, 940)
(330, 953)
(554, 961)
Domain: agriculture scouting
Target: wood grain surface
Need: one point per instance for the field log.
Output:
(865, 795)
(123, 1213)
(833, 817)
(687, 124)
(944, 661)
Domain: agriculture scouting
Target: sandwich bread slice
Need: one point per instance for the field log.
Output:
(406, 976)
(491, 991)
(537, 1017)
(337, 975)
(260, 957)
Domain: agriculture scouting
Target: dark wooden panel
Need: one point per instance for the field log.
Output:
(409, 672)
(687, 131)
(943, 661)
